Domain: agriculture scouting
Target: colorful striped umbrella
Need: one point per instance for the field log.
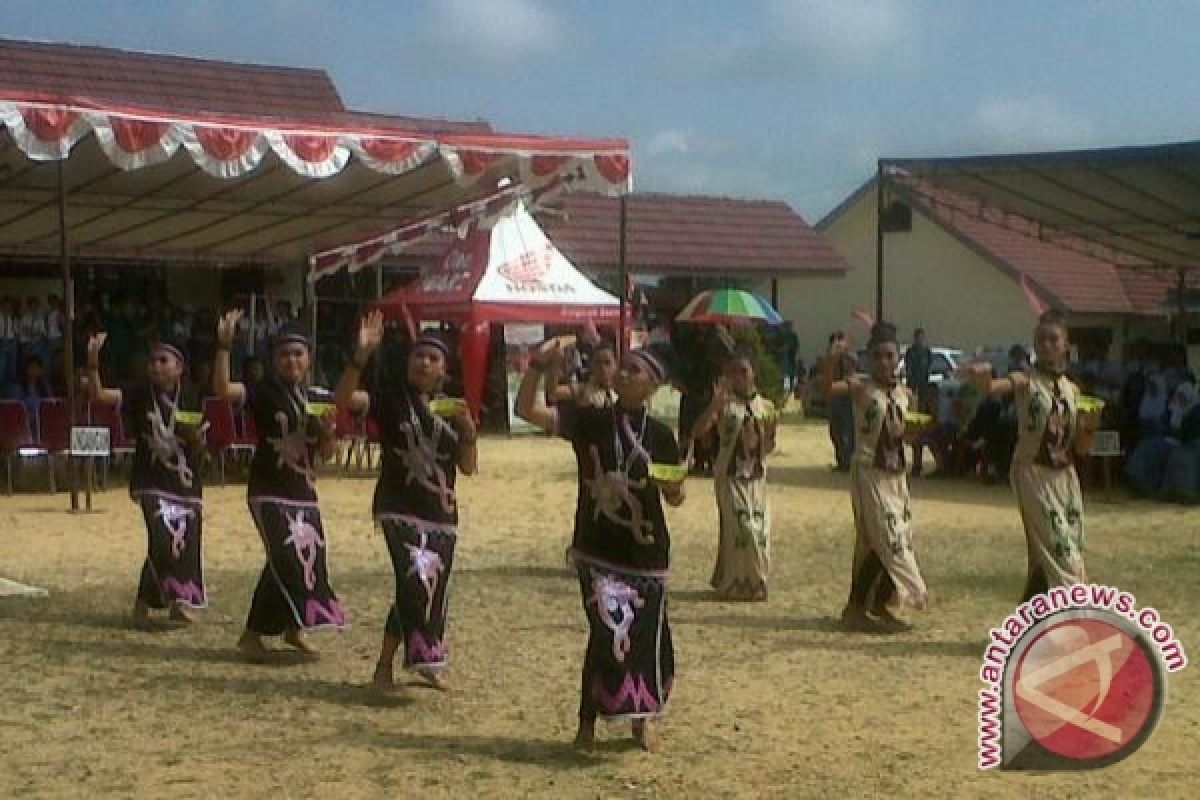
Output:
(729, 305)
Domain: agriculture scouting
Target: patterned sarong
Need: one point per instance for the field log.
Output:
(629, 667)
(293, 590)
(172, 572)
(422, 557)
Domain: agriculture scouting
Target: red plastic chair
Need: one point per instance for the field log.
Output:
(371, 433)
(121, 445)
(352, 436)
(54, 432)
(222, 437)
(17, 437)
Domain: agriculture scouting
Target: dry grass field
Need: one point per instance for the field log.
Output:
(771, 700)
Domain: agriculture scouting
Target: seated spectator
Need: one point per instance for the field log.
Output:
(1147, 465)
(1181, 473)
(31, 388)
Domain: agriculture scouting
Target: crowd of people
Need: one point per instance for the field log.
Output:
(1151, 401)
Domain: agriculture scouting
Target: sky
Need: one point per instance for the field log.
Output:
(791, 100)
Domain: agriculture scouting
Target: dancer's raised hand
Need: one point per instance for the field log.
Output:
(227, 327)
(370, 333)
(95, 344)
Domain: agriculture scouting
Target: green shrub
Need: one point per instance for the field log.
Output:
(766, 370)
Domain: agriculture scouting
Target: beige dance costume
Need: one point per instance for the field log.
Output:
(879, 494)
(1044, 480)
(740, 480)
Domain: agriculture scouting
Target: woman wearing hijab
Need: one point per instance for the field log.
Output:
(885, 570)
(745, 422)
(1181, 472)
(163, 415)
(1050, 430)
(621, 546)
(293, 593)
(415, 503)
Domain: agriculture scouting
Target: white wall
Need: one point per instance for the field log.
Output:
(931, 280)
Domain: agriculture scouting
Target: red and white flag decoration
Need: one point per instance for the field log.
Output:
(229, 147)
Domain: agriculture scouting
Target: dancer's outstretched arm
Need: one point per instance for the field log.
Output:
(223, 386)
(96, 390)
(528, 406)
(981, 376)
(348, 395)
(851, 385)
(720, 399)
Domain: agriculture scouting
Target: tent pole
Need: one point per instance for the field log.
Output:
(622, 276)
(1181, 316)
(879, 191)
(64, 257)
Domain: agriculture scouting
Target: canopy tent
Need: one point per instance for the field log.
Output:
(501, 268)
(87, 179)
(1138, 207)
(219, 189)
(1144, 201)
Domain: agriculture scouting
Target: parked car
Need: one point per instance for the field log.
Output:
(945, 363)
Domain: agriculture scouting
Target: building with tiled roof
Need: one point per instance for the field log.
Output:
(973, 277)
(165, 82)
(691, 235)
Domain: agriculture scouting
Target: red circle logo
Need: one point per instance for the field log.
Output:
(1085, 689)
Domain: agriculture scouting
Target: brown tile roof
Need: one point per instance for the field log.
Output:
(1147, 288)
(1081, 276)
(696, 235)
(165, 82)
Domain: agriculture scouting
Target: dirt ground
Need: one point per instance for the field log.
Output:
(771, 700)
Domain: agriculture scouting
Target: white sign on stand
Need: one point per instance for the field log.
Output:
(89, 442)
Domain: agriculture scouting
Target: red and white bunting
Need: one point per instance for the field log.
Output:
(229, 148)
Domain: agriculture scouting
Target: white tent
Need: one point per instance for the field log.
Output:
(503, 268)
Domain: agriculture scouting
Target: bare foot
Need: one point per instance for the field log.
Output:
(435, 678)
(892, 623)
(585, 737)
(252, 647)
(857, 621)
(296, 638)
(141, 616)
(383, 680)
(181, 613)
(643, 736)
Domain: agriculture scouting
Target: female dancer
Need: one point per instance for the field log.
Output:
(745, 423)
(1043, 476)
(293, 593)
(595, 391)
(415, 503)
(621, 545)
(885, 570)
(165, 480)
